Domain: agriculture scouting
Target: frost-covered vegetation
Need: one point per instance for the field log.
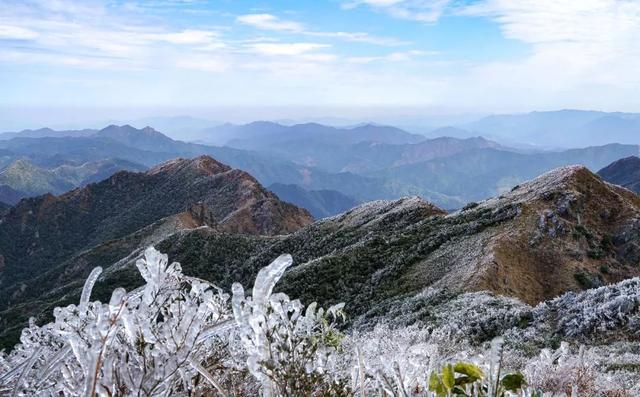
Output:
(182, 336)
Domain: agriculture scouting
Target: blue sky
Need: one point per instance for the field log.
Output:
(408, 55)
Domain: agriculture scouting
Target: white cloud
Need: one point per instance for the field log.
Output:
(86, 35)
(270, 22)
(399, 56)
(547, 21)
(428, 11)
(285, 48)
(361, 37)
(576, 54)
(204, 63)
(382, 3)
(114, 44)
(52, 59)
(8, 32)
(582, 54)
(190, 37)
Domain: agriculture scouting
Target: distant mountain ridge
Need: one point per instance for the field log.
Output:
(447, 171)
(250, 136)
(22, 178)
(624, 172)
(321, 203)
(480, 173)
(564, 128)
(145, 138)
(183, 127)
(371, 156)
(46, 132)
(359, 149)
(149, 147)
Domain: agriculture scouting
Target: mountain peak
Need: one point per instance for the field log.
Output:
(261, 124)
(113, 127)
(559, 229)
(202, 164)
(127, 129)
(562, 179)
(631, 161)
(20, 165)
(146, 138)
(376, 211)
(555, 178)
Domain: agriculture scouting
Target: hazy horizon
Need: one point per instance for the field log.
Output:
(69, 62)
(18, 119)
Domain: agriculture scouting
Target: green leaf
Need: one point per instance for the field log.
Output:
(471, 370)
(460, 391)
(448, 377)
(435, 384)
(513, 382)
(465, 380)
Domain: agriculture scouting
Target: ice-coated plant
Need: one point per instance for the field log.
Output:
(392, 360)
(290, 351)
(558, 371)
(178, 336)
(182, 336)
(148, 342)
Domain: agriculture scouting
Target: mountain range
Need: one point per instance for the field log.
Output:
(46, 132)
(566, 230)
(538, 130)
(264, 133)
(563, 128)
(478, 174)
(363, 163)
(140, 148)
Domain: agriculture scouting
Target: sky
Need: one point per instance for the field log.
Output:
(92, 60)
